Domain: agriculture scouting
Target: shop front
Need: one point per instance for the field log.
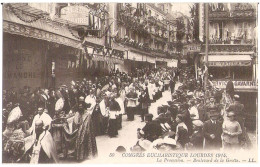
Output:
(239, 69)
(23, 62)
(247, 90)
(33, 51)
(139, 60)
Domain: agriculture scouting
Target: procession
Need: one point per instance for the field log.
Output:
(70, 104)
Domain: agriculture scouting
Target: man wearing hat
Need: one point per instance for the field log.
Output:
(152, 129)
(197, 136)
(212, 130)
(202, 110)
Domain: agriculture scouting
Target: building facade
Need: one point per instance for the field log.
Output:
(232, 51)
(82, 40)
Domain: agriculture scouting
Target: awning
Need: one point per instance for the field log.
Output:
(136, 57)
(150, 59)
(229, 60)
(172, 62)
(40, 29)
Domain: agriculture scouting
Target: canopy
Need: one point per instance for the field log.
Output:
(229, 60)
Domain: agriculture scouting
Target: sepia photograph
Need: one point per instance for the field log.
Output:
(138, 82)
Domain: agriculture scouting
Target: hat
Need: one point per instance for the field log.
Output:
(157, 142)
(197, 123)
(81, 99)
(212, 114)
(236, 96)
(231, 113)
(145, 144)
(180, 116)
(148, 117)
(120, 149)
(169, 141)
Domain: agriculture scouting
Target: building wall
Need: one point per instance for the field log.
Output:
(23, 62)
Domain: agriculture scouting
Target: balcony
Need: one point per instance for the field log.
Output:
(219, 15)
(235, 40)
(153, 21)
(230, 45)
(229, 48)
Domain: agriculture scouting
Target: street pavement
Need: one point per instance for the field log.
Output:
(127, 136)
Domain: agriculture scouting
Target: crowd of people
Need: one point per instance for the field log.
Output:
(84, 109)
(194, 118)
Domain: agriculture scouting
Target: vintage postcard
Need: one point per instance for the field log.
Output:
(129, 83)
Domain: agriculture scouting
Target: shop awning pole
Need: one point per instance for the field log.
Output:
(207, 44)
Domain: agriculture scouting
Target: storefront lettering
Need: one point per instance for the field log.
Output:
(19, 75)
(238, 84)
(229, 63)
(35, 33)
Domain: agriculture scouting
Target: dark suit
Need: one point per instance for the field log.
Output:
(152, 130)
(197, 140)
(216, 129)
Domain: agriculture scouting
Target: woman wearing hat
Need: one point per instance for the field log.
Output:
(231, 131)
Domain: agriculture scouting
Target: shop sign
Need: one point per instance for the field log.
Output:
(76, 14)
(194, 48)
(18, 29)
(237, 84)
(183, 61)
(106, 58)
(229, 63)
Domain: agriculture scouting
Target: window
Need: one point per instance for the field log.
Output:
(243, 30)
(235, 73)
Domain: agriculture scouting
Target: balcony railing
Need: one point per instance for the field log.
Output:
(230, 48)
(236, 41)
